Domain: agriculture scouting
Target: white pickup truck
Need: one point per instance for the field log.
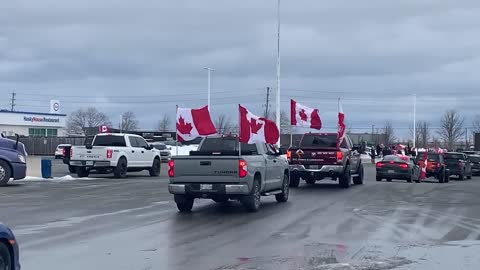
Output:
(117, 153)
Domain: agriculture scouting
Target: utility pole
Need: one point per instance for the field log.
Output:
(466, 139)
(373, 126)
(278, 71)
(414, 120)
(209, 70)
(13, 101)
(267, 105)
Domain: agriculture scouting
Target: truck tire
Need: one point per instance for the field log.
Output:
(345, 179)
(441, 176)
(72, 169)
(294, 180)
(82, 172)
(447, 177)
(410, 180)
(184, 203)
(155, 169)
(283, 197)
(358, 180)
(5, 173)
(121, 170)
(5, 257)
(252, 201)
(379, 179)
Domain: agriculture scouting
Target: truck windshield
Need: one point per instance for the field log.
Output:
(227, 144)
(109, 140)
(312, 140)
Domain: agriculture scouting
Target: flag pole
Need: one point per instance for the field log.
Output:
(176, 133)
(291, 135)
(239, 131)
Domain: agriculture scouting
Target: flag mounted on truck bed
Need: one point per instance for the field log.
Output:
(257, 129)
(303, 116)
(194, 123)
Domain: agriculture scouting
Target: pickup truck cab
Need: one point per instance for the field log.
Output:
(219, 172)
(117, 153)
(318, 156)
(12, 160)
(459, 164)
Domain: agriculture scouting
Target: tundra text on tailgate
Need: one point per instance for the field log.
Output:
(318, 157)
(219, 172)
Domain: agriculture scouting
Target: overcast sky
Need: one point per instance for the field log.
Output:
(147, 56)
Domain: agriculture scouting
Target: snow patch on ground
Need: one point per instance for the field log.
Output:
(54, 179)
(183, 150)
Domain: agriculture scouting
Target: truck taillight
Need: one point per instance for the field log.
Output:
(171, 168)
(109, 153)
(289, 154)
(71, 152)
(242, 168)
(339, 155)
(64, 152)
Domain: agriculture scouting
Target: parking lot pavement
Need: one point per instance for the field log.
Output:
(133, 224)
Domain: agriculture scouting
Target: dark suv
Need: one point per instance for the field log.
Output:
(459, 164)
(475, 160)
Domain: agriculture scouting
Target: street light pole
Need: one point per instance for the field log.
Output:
(278, 71)
(414, 120)
(209, 70)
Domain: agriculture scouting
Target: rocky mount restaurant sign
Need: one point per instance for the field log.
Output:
(26, 119)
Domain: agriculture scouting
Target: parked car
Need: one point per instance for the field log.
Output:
(475, 160)
(436, 166)
(9, 251)
(117, 153)
(12, 160)
(165, 151)
(396, 167)
(459, 164)
(219, 172)
(318, 157)
(60, 150)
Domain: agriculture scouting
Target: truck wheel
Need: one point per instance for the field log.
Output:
(283, 197)
(252, 201)
(358, 180)
(294, 180)
(82, 172)
(410, 180)
(5, 173)
(389, 179)
(379, 179)
(72, 169)
(5, 257)
(155, 169)
(121, 170)
(310, 180)
(184, 203)
(441, 176)
(447, 177)
(345, 179)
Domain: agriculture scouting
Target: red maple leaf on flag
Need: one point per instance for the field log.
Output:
(184, 128)
(254, 126)
(303, 115)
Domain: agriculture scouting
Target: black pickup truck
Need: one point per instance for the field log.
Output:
(318, 157)
(459, 164)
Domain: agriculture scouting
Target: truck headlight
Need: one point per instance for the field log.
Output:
(21, 158)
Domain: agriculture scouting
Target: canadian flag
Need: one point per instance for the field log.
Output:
(301, 115)
(423, 172)
(257, 129)
(341, 124)
(103, 129)
(194, 123)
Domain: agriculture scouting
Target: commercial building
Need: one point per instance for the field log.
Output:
(32, 123)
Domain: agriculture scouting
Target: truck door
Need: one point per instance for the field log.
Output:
(134, 154)
(354, 155)
(274, 169)
(145, 156)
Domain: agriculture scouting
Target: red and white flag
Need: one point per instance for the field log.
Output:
(423, 172)
(257, 129)
(301, 115)
(194, 123)
(104, 129)
(341, 124)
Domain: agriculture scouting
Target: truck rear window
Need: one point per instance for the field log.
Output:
(432, 157)
(454, 156)
(118, 141)
(311, 140)
(225, 145)
(475, 159)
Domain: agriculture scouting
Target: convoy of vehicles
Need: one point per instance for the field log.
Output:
(12, 160)
(9, 251)
(165, 151)
(436, 166)
(397, 167)
(318, 157)
(117, 154)
(223, 170)
(458, 164)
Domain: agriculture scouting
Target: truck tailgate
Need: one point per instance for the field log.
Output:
(82, 153)
(306, 156)
(206, 169)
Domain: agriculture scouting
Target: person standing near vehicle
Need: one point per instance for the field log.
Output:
(373, 154)
(379, 150)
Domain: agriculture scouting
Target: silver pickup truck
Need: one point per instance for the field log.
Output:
(219, 172)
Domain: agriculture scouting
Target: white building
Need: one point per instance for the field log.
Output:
(32, 123)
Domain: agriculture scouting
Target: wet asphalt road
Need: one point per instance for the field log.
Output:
(133, 224)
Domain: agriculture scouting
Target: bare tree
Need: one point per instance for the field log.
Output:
(164, 123)
(222, 123)
(388, 133)
(422, 133)
(285, 125)
(129, 122)
(451, 128)
(82, 121)
(476, 123)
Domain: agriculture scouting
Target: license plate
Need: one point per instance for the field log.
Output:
(89, 163)
(315, 167)
(391, 171)
(206, 186)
